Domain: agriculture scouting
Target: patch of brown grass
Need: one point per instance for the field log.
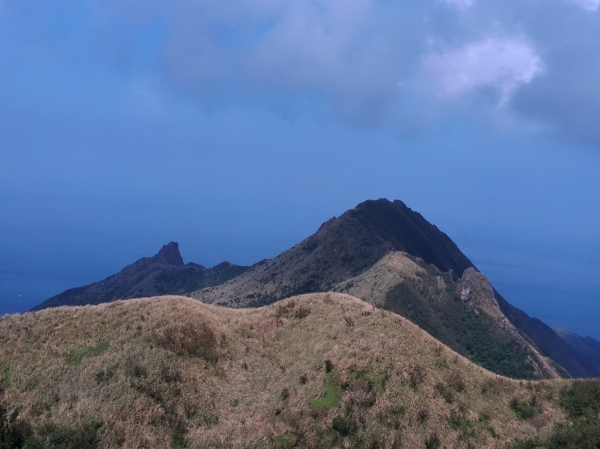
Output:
(190, 340)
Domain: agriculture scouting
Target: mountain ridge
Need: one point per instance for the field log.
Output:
(350, 245)
(586, 346)
(432, 282)
(340, 249)
(163, 273)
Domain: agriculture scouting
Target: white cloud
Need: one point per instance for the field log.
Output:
(503, 63)
(350, 52)
(350, 55)
(589, 5)
(460, 4)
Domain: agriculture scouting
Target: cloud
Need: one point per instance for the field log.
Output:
(349, 53)
(503, 63)
(365, 62)
(590, 5)
(377, 62)
(460, 4)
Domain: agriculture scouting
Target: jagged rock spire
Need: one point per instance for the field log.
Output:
(169, 255)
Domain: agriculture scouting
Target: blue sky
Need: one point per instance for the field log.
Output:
(236, 128)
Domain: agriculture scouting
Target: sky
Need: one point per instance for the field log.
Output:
(237, 127)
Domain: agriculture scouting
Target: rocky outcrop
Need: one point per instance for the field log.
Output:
(169, 255)
(477, 292)
(164, 273)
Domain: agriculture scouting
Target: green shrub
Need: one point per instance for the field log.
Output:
(345, 426)
(301, 312)
(525, 409)
(328, 366)
(416, 376)
(422, 415)
(581, 403)
(460, 423)
(13, 434)
(445, 392)
(457, 381)
(582, 398)
(432, 441)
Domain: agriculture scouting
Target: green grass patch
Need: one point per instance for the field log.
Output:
(6, 375)
(100, 347)
(461, 423)
(285, 441)
(331, 395)
(33, 383)
(373, 380)
(74, 356)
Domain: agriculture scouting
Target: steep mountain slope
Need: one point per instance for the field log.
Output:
(429, 281)
(321, 370)
(587, 346)
(544, 338)
(165, 273)
(464, 315)
(341, 249)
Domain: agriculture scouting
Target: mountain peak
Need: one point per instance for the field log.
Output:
(406, 230)
(169, 255)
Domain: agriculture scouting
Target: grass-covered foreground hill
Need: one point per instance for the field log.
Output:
(315, 371)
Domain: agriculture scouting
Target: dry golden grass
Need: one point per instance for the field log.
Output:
(174, 372)
(373, 284)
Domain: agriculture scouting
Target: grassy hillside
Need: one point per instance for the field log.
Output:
(463, 315)
(475, 327)
(320, 370)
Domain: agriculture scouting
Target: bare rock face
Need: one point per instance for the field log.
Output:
(476, 290)
(169, 255)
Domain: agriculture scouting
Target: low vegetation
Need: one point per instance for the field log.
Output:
(580, 401)
(173, 372)
(477, 336)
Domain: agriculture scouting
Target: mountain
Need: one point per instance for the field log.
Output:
(390, 256)
(386, 254)
(586, 346)
(341, 249)
(322, 370)
(164, 273)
